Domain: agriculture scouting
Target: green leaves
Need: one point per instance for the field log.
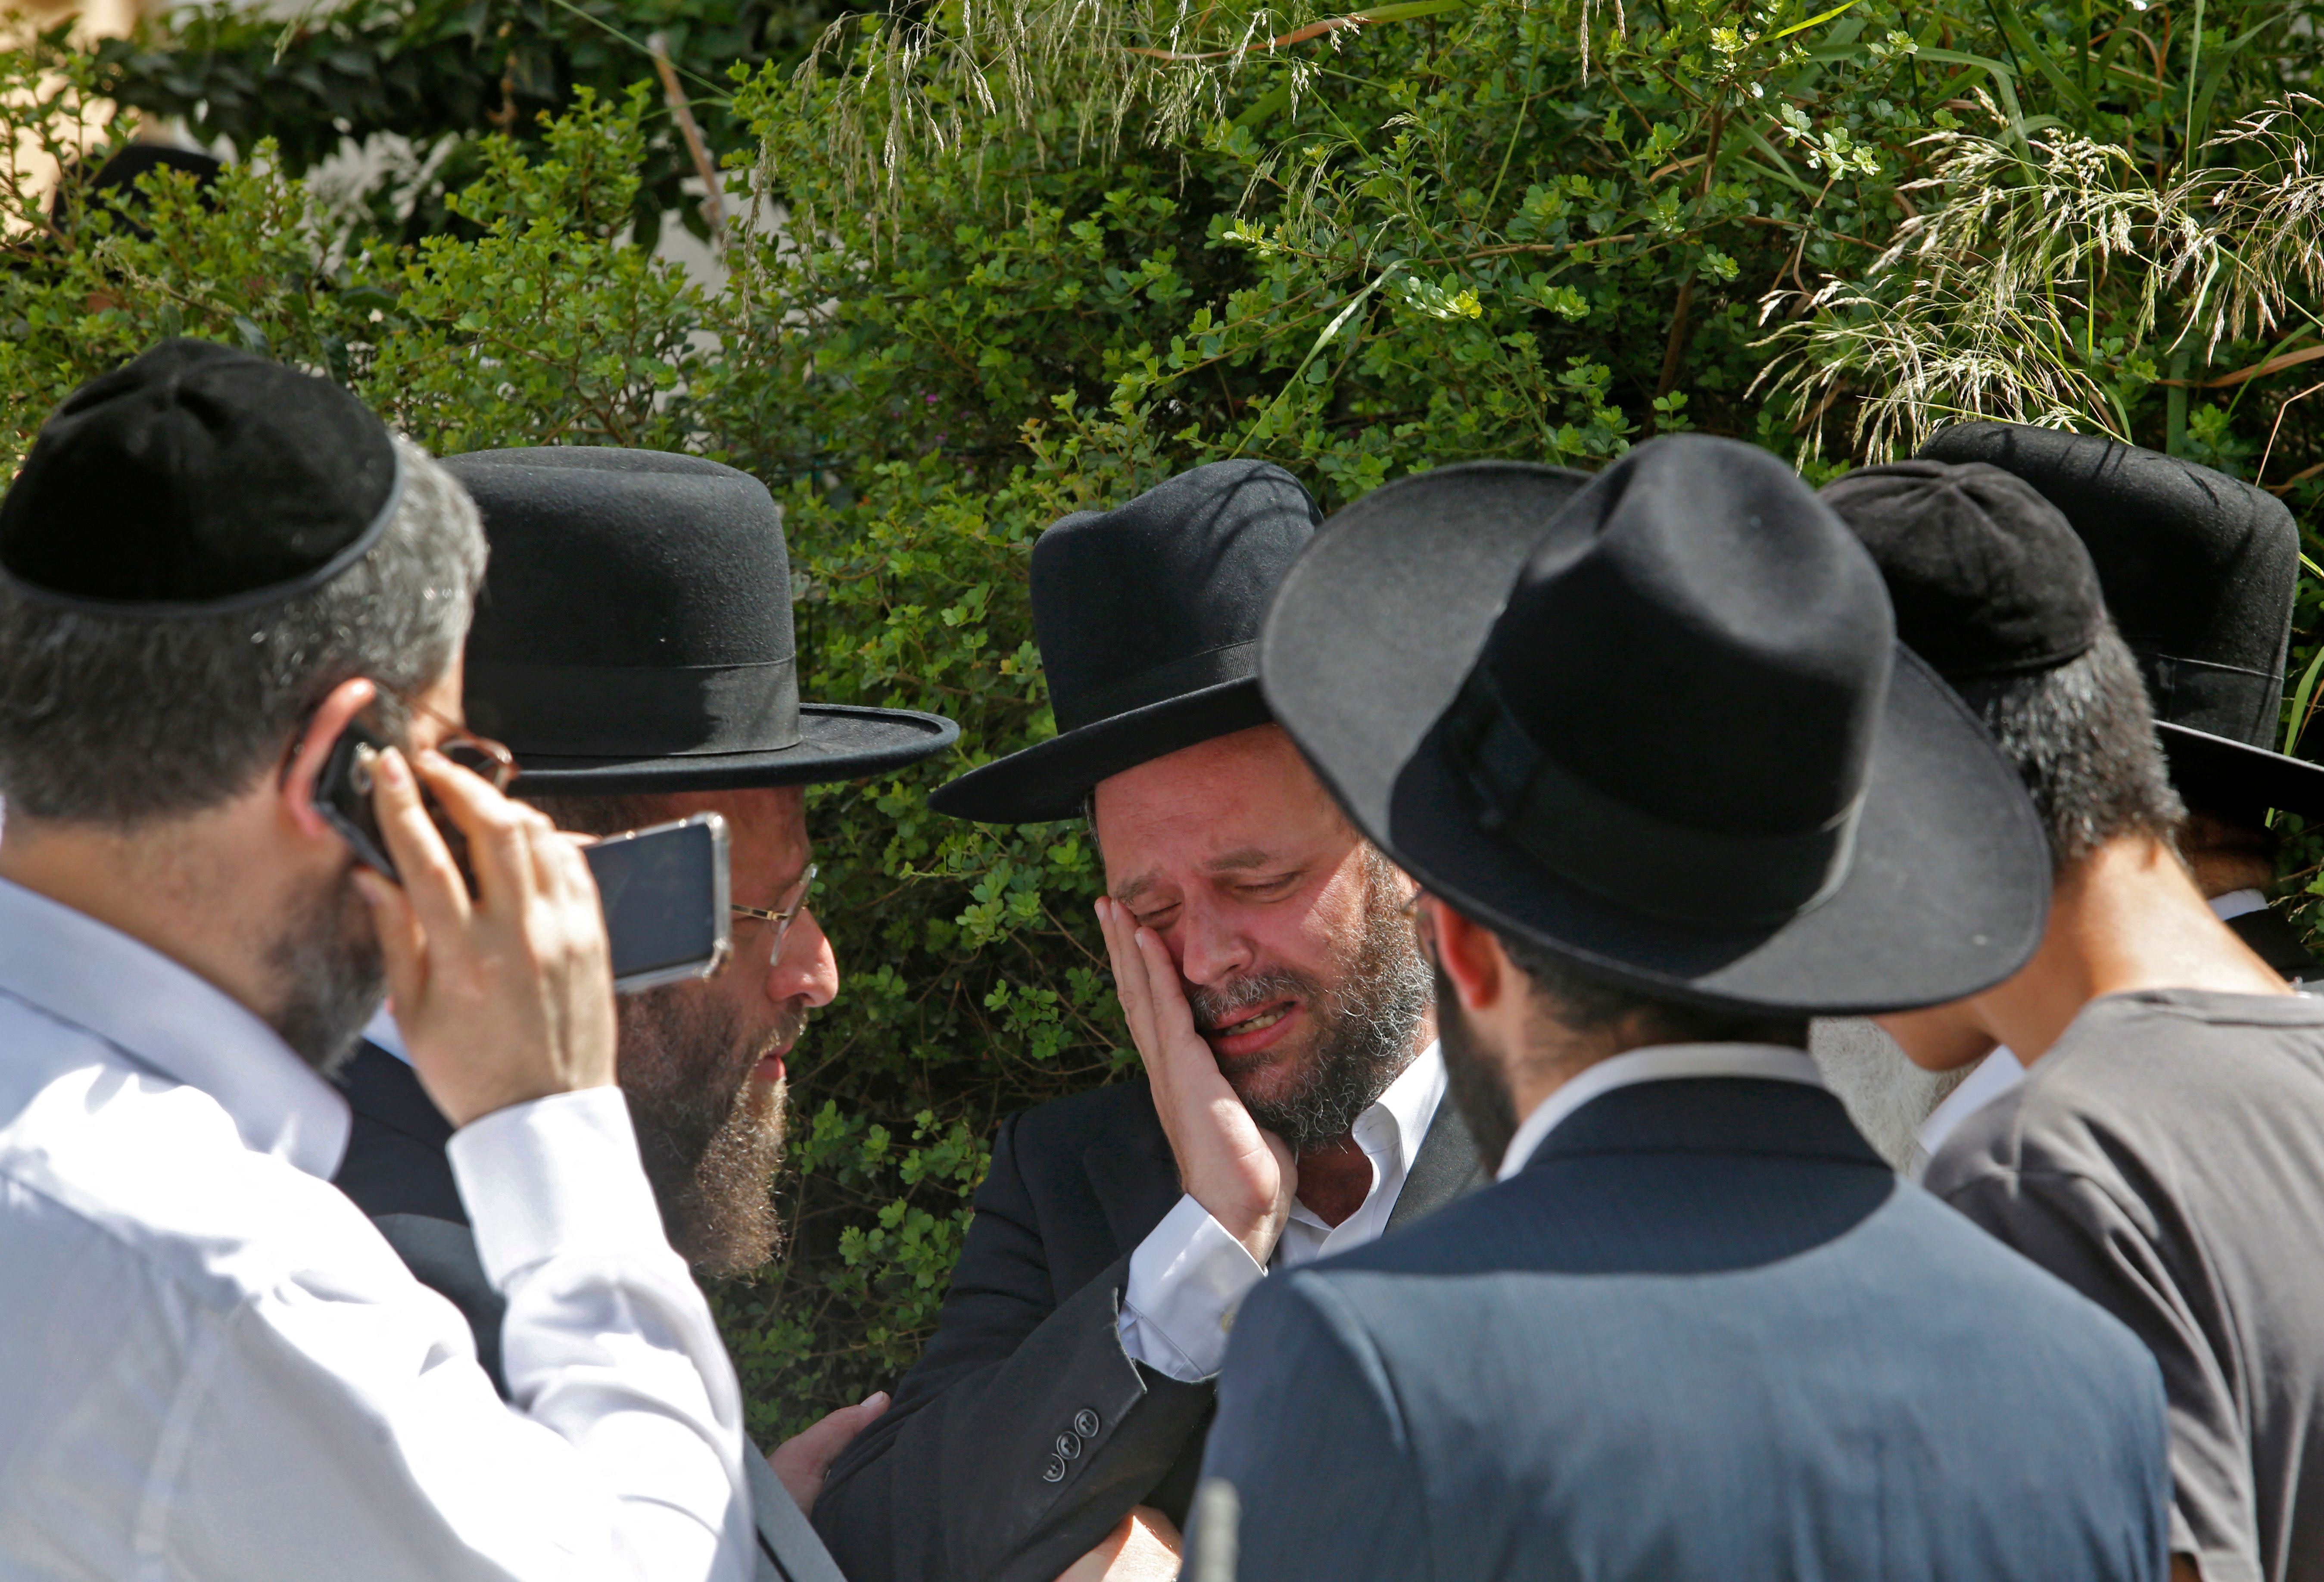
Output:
(1003, 269)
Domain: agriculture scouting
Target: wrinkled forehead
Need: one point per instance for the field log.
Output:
(1238, 802)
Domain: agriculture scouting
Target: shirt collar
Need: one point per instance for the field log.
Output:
(1399, 1118)
(382, 1031)
(1657, 1062)
(161, 1014)
(2235, 903)
(1389, 1131)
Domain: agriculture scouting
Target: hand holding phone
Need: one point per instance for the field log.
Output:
(503, 996)
(665, 888)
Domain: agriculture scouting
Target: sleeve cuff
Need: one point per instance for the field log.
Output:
(1186, 1280)
(559, 1175)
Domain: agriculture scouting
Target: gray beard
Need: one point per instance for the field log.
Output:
(329, 976)
(1365, 1019)
(711, 1141)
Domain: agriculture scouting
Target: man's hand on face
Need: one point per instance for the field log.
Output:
(505, 997)
(802, 1461)
(1243, 1175)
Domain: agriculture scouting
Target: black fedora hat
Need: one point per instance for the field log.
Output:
(1148, 617)
(2200, 571)
(634, 632)
(1678, 745)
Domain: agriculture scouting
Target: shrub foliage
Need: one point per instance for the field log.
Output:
(1001, 266)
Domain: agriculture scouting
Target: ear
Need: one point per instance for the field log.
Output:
(324, 727)
(1470, 956)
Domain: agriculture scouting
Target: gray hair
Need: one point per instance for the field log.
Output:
(113, 721)
(2082, 738)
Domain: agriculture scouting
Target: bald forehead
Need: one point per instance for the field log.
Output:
(1242, 801)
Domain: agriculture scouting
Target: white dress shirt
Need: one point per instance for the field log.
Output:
(213, 1367)
(1189, 1276)
(1657, 1062)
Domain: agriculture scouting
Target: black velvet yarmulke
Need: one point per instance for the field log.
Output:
(193, 480)
(1987, 576)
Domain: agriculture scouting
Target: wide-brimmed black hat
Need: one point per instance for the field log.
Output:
(195, 481)
(1662, 727)
(1148, 617)
(634, 632)
(2200, 571)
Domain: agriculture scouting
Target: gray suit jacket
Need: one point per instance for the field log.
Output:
(396, 1171)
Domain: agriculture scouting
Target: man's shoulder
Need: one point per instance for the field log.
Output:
(1527, 1244)
(109, 1155)
(395, 1163)
(2136, 1075)
(1116, 1114)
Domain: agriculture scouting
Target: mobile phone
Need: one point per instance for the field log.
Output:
(343, 801)
(664, 889)
(664, 894)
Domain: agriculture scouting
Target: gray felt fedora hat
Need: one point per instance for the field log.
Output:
(1660, 724)
(634, 632)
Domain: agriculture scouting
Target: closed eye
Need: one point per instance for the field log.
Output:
(1272, 888)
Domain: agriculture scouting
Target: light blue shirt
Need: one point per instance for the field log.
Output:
(214, 1367)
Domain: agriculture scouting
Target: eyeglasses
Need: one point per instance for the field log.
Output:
(782, 919)
(481, 756)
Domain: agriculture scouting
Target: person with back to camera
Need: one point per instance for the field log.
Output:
(2199, 571)
(2164, 1154)
(210, 566)
(1055, 1423)
(1699, 1331)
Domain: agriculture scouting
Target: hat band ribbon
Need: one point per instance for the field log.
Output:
(1675, 873)
(2225, 700)
(635, 710)
(1176, 678)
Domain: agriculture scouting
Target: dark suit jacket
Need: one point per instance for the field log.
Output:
(396, 1171)
(1704, 1336)
(1025, 1433)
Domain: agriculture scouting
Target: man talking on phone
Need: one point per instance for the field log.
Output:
(210, 566)
(634, 646)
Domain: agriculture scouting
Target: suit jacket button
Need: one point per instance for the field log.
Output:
(1069, 1444)
(1056, 1471)
(1086, 1423)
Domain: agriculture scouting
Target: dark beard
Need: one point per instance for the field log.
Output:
(331, 977)
(710, 1138)
(1365, 1021)
(1474, 1078)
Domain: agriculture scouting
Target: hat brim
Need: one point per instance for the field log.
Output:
(1051, 780)
(1382, 619)
(2215, 768)
(837, 741)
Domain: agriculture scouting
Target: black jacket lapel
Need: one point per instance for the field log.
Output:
(1446, 1167)
(1135, 1180)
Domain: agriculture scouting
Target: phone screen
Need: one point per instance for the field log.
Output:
(664, 892)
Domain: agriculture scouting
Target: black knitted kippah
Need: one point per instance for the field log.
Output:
(1987, 576)
(193, 480)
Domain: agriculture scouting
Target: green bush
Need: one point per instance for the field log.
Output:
(1003, 269)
